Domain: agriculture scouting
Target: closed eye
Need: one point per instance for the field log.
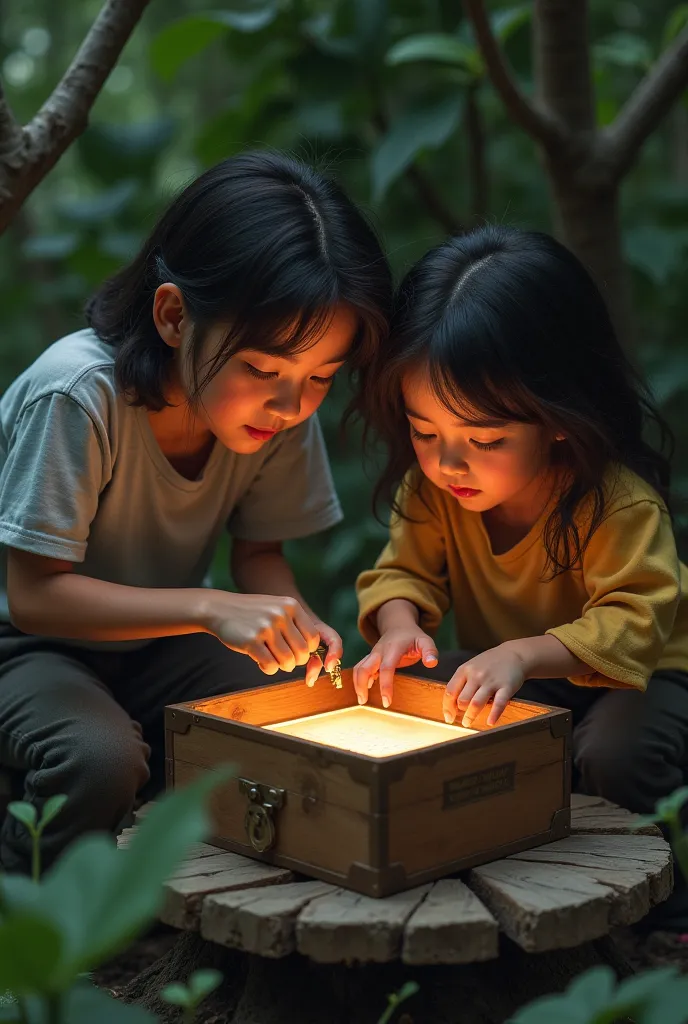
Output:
(260, 374)
(324, 382)
(486, 446)
(417, 436)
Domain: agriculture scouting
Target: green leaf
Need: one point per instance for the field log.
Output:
(370, 18)
(432, 46)
(86, 1004)
(624, 49)
(101, 897)
(51, 808)
(176, 994)
(549, 1009)
(641, 987)
(409, 135)
(675, 24)
(115, 152)
(202, 983)
(670, 806)
(30, 949)
(24, 812)
(508, 21)
(187, 37)
(658, 252)
(594, 989)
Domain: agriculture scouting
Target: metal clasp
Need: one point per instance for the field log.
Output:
(336, 673)
(259, 820)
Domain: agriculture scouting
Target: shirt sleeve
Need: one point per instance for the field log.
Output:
(631, 575)
(54, 471)
(294, 494)
(413, 566)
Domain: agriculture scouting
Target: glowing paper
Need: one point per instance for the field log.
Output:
(371, 731)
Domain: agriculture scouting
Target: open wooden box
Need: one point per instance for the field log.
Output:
(382, 824)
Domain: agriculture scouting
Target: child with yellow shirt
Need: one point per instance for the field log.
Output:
(527, 498)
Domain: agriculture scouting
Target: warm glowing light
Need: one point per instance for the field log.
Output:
(371, 731)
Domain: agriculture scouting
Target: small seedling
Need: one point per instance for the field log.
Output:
(28, 815)
(191, 995)
(395, 1000)
(668, 811)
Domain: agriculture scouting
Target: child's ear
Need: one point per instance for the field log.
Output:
(169, 314)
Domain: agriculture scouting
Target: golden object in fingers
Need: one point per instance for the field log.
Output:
(335, 673)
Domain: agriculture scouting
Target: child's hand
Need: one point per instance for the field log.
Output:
(497, 673)
(276, 632)
(395, 649)
(335, 649)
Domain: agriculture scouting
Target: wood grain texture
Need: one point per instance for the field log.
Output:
(259, 921)
(593, 814)
(345, 926)
(451, 926)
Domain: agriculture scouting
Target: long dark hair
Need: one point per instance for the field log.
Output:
(259, 242)
(509, 323)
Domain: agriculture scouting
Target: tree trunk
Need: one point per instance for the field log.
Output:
(293, 990)
(588, 223)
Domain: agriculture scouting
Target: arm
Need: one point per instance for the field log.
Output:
(259, 567)
(48, 598)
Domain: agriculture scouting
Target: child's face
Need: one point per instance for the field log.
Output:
(482, 463)
(256, 394)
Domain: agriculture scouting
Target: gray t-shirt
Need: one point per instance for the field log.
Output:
(82, 478)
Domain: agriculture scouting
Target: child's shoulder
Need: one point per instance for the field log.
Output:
(79, 366)
(623, 488)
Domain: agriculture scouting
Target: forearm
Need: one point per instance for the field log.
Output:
(545, 657)
(396, 614)
(267, 572)
(82, 608)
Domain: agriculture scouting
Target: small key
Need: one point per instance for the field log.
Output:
(336, 673)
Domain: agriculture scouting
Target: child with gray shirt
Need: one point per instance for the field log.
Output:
(186, 408)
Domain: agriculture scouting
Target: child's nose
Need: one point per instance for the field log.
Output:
(286, 402)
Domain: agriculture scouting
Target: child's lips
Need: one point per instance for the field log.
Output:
(464, 492)
(259, 435)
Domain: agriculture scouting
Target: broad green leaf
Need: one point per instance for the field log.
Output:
(551, 1009)
(625, 49)
(86, 1004)
(594, 989)
(24, 812)
(202, 983)
(669, 806)
(51, 808)
(30, 949)
(176, 994)
(102, 897)
(187, 37)
(506, 22)
(371, 25)
(19, 894)
(637, 989)
(432, 46)
(675, 24)
(668, 1005)
(409, 135)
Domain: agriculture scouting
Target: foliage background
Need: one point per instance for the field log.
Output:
(327, 80)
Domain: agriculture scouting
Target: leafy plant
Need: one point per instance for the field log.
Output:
(27, 814)
(396, 999)
(89, 907)
(190, 996)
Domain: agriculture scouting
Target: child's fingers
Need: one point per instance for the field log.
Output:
(428, 651)
(388, 666)
(478, 702)
(313, 669)
(263, 658)
(501, 699)
(335, 650)
(455, 686)
(364, 674)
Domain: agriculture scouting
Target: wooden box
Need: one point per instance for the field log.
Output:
(377, 825)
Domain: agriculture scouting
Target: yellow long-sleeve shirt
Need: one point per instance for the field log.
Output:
(624, 612)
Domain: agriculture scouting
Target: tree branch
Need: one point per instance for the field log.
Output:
(621, 142)
(64, 115)
(10, 129)
(538, 123)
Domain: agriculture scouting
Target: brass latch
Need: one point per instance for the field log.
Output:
(259, 820)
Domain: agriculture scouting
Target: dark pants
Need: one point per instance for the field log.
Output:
(629, 747)
(90, 724)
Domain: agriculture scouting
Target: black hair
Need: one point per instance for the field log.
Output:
(260, 242)
(510, 323)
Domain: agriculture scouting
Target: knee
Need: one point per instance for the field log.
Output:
(633, 776)
(100, 771)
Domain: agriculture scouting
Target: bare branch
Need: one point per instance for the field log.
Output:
(538, 123)
(10, 129)
(64, 115)
(621, 142)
